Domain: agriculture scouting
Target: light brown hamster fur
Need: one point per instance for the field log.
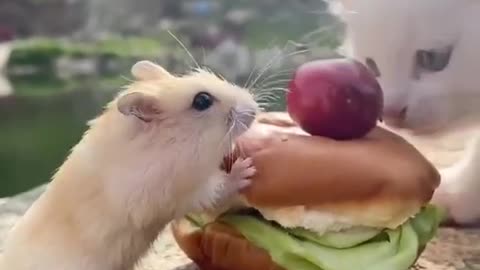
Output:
(152, 156)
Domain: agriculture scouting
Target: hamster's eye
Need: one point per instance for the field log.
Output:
(202, 101)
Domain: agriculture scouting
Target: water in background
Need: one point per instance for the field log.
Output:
(46, 98)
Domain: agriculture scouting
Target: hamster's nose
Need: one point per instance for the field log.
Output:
(245, 114)
(247, 117)
(395, 117)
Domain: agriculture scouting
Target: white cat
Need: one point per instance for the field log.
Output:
(426, 57)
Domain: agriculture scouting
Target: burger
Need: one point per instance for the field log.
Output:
(319, 204)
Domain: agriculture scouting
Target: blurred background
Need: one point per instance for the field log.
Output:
(62, 60)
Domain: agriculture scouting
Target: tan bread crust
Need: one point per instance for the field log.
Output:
(378, 180)
(220, 247)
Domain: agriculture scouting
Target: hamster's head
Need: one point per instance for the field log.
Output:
(424, 56)
(199, 105)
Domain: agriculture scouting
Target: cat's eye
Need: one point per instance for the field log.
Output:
(434, 60)
(372, 65)
(202, 101)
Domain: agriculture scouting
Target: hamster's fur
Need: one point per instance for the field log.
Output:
(425, 54)
(149, 158)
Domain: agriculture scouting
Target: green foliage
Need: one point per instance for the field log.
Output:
(45, 85)
(261, 33)
(43, 51)
(37, 133)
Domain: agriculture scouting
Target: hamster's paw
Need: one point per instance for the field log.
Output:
(222, 188)
(238, 178)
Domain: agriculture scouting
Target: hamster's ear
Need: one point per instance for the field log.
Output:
(146, 70)
(143, 106)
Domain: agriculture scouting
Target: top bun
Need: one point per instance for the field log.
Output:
(379, 180)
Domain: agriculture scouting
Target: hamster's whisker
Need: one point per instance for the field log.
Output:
(264, 69)
(263, 105)
(249, 113)
(127, 79)
(274, 91)
(230, 149)
(274, 75)
(243, 125)
(266, 97)
(245, 85)
(270, 64)
(271, 91)
(185, 48)
(262, 86)
(230, 142)
(254, 67)
(266, 84)
(266, 103)
(227, 135)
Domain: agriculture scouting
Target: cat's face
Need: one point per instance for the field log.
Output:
(426, 55)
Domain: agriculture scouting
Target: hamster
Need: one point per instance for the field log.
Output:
(152, 156)
(425, 58)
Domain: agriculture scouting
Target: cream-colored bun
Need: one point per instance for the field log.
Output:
(379, 180)
(220, 247)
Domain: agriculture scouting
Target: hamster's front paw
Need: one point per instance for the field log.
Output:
(234, 182)
(239, 176)
(221, 188)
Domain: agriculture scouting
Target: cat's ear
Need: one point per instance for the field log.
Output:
(141, 105)
(147, 70)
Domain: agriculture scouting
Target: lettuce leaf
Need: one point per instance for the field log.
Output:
(293, 249)
(343, 239)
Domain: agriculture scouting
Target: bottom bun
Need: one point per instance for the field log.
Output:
(244, 240)
(220, 247)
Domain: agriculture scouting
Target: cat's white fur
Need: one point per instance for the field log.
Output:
(437, 106)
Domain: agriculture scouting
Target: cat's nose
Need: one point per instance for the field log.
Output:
(395, 117)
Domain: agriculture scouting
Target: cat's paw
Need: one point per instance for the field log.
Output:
(459, 192)
(462, 208)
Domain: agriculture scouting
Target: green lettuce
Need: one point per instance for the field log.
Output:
(295, 249)
(337, 239)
